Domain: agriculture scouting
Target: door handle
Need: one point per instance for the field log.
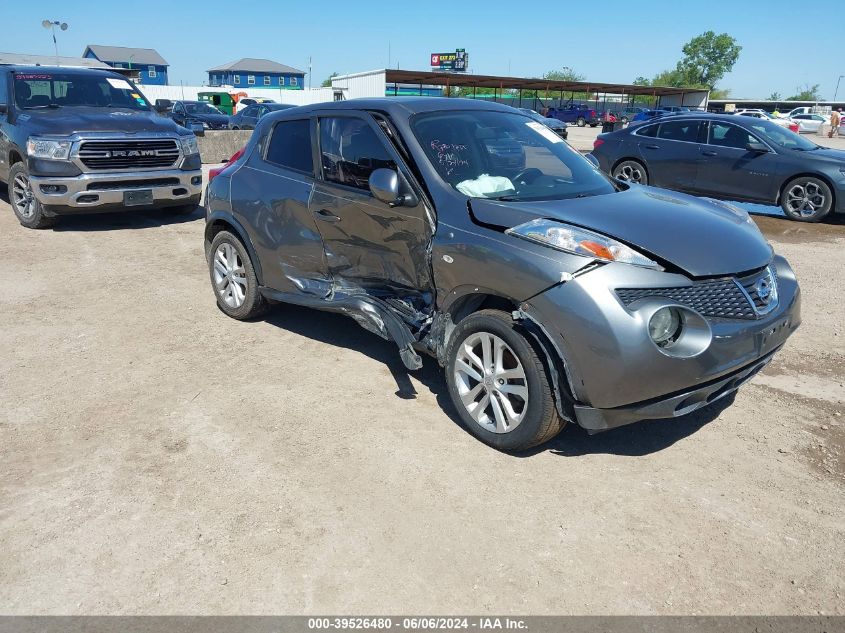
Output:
(710, 153)
(326, 216)
(652, 146)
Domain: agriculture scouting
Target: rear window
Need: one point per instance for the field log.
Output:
(648, 130)
(683, 130)
(290, 146)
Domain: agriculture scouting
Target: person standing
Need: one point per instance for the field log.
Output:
(835, 120)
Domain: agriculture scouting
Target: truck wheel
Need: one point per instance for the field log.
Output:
(498, 383)
(581, 122)
(233, 278)
(806, 199)
(29, 211)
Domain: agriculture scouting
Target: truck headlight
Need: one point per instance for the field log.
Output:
(189, 145)
(574, 239)
(47, 148)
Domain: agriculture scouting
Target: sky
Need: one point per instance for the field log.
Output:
(606, 42)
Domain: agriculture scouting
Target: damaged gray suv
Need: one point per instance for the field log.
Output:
(471, 233)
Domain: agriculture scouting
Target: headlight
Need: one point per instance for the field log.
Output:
(205, 126)
(46, 148)
(574, 239)
(664, 326)
(189, 145)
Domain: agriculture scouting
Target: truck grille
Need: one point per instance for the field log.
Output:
(727, 298)
(128, 154)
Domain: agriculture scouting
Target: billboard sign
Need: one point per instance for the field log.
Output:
(457, 61)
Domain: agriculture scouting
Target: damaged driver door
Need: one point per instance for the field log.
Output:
(371, 246)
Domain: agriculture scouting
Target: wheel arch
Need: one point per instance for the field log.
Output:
(635, 159)
(222, 221)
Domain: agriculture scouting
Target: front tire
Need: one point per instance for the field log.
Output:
(631, 171)
(29, 211)
(233, 278)
(806, 199)
(498, 383)
(581, 121)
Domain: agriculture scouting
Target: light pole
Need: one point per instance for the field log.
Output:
(52, 24)
(837, 87)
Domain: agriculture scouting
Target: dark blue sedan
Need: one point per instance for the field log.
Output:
(729, 157)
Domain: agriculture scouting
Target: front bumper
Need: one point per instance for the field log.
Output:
(96, 191)
(616, 373)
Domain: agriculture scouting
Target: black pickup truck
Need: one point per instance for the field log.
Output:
(82, 140)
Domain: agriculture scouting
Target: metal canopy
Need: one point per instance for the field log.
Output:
(527, 83)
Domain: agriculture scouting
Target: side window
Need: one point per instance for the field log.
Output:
(251, 111)
(725, 135)
(351, 151)
(177, 109)
(4, 88)
(679, 131)
(649, 131)
(290, 146)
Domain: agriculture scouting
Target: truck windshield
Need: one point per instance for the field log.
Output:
(53, 90)
(488, 154)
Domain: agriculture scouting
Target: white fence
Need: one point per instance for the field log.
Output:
(294, 97)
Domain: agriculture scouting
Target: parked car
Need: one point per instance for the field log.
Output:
(248, 101)
(628, 114)
(247, 118)
(810, 122)
(762, 114)
(580, 115)
(732, 157)
(795, 111)
(550, 295)
(558, 126)
(648, 115)
(186, 113)
(78, 140)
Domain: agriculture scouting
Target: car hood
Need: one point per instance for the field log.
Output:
(69, 120)
(699, 236)
(837, 155)
(209, 118)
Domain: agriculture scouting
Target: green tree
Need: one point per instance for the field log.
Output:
(720, 93)
(775, 96)
(327, 82)
(807, 93)
(564, 74)
(707, 58)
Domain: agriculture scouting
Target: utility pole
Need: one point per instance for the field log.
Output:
(837, 87)
(309, 73)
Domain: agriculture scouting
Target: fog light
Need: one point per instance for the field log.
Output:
(664, 326)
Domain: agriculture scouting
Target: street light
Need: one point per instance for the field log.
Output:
(52, 24)
(837, 86)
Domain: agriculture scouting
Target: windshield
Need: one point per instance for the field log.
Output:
(201, 108)
(506, 156)
(780, 136)
(53, 90)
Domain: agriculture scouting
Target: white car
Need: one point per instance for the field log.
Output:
(762, 114)
(810, 122)
(796, 111)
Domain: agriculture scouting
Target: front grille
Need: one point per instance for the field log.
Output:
(765, 280)
(128, 154)
(132, 184)
(720, 298)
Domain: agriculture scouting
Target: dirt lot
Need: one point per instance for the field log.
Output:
(158, 457)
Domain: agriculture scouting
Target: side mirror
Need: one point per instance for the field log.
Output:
(384, 184)
(196, 128)
(757, 148)
(163, 105)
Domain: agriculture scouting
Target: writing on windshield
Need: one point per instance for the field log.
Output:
(54, 90)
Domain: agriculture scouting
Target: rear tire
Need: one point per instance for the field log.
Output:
(499, 384)
(580, 122)
(29, 211)
(233, 278)
(806, 199)
(631, 171)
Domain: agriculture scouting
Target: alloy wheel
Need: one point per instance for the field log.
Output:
(229, 275)
(806, 198)
(491, 382)
(630, 172)
(22, 196)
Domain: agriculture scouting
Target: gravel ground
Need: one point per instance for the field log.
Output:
(158, 457)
